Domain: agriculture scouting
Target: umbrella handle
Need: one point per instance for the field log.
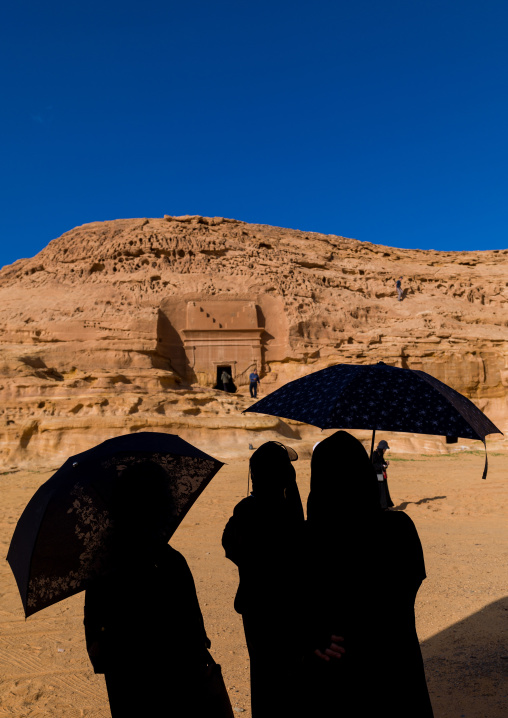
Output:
(372, 443)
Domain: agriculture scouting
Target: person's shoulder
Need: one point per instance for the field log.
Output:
(398, 518)
(172, 557)
(404, 542)
(245, 514)
(245, 507)
(398, 522)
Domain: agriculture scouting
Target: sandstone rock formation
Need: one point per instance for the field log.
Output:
(124, 325)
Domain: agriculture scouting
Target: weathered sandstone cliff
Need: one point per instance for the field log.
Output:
(125, 325)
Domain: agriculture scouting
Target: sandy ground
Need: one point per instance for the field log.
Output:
(462, 608)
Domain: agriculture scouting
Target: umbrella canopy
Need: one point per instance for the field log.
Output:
(64, 536)
(377, 396)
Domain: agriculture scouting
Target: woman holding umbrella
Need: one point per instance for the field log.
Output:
(143, 624)
(102, 523)
(364, 569)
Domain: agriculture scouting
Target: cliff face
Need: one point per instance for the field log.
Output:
(122, 326)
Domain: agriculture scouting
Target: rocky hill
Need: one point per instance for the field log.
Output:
(121, 326)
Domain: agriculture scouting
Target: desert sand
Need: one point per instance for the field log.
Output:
(461, 608)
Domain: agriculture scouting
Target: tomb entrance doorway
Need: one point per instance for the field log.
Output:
(222, 335)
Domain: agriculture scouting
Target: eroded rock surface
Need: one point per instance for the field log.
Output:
(96, 341)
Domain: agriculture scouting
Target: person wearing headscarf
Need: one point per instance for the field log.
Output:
(143, 625)
(263, 538)
(365, 566)
(380, 465)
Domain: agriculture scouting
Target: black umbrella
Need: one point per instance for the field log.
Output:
(63, 537)
(378, 396)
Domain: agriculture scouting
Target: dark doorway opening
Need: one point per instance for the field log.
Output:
(223, 386)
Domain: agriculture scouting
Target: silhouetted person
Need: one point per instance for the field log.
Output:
(263, 538)
(143, 624)
(365, 566)
(380, 465)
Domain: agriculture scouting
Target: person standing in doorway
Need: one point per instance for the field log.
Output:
(399, 288)
(254, 380)
(225, 379)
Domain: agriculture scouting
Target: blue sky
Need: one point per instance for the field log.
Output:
(383, 120)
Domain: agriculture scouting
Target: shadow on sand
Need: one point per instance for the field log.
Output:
(467, 665)
(405, 504)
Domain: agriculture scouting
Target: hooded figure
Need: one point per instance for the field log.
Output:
(143, 625)
(368, 565)
(381, 464)
(263, 538)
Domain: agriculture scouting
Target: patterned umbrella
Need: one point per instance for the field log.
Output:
(63, 537)
(378, 396)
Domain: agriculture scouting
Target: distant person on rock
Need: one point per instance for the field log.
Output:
(399, 288)
(254, 380)
(225, 379)
(380, 465)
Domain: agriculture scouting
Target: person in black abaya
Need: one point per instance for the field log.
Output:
(263, 538)
(365, 566)
(143, 625)
(380, 465)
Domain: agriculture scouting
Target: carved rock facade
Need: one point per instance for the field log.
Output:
(124, 325)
